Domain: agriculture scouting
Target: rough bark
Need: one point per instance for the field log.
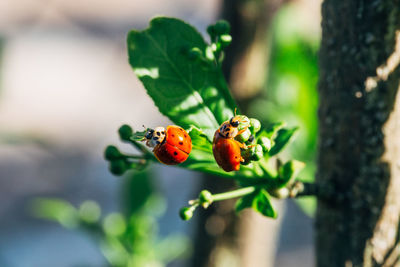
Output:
(359, 134)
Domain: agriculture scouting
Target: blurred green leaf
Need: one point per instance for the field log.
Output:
(187, 91)
(281, 140)
(173, 247)
(56, 210)
(137, 189)
(262, 204)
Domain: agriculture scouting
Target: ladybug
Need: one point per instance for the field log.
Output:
(226, 149)
(171, 146)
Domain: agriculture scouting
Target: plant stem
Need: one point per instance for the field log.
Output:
(234, 194)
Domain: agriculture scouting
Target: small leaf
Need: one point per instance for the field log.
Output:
(281, 140)
(245, 202)
(185, 90)
(262, 204)
(201, 145)
(288, 172)
(271, 131)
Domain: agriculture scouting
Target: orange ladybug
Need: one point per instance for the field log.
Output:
(171, 146)
(226, 149)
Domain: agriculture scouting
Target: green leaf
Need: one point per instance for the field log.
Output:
(289, 171)
(188, 91)
(245, 202)
(262, 204)
(281, 140)
(201, 146)
(272, 130)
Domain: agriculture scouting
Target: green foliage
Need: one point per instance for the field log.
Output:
(281, 140)
(292, 94)
(288, 172)
(259, 201)
(125, 239)
(185, 90)
(182, 74)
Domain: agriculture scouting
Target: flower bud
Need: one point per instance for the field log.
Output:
(225, 40)
(186, 213)
(205, 198)
(118, 167)
(222, 27)
(125, 132)
(244, 122)
(255, 125)
(111, 153)
(211, 31)
(257, 153)
(265, 143)
(279, 192)
(243, 137)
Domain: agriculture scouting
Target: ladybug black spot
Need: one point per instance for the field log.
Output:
(181, 143)
(185, 136)
(181, 129)
(235, 157)
(175, 153)
(173, 135)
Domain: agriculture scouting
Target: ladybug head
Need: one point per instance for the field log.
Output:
(228, 130)
(155, 137)
(235, 121)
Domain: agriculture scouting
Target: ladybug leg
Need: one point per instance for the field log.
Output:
(242, 131)
(241, 145)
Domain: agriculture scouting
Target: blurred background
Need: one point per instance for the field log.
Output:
(66, 87)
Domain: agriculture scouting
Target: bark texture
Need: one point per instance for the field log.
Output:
(359, 149)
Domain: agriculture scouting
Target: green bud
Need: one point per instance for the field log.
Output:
(195, 53)
(243, 137)
(225, 40)
(245, 122)
(279, 192)
(118, 167)
(211, 31)
(257, 153)
(111, 153)
(265, 143)
(125, 132)
(255, 125)
(222, 27)
(186, 213)
(205, 198)
(114, 224)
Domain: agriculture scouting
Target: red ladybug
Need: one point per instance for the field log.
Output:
(226, 149)
(171, 146)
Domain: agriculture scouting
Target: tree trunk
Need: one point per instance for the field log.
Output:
(359, 149)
